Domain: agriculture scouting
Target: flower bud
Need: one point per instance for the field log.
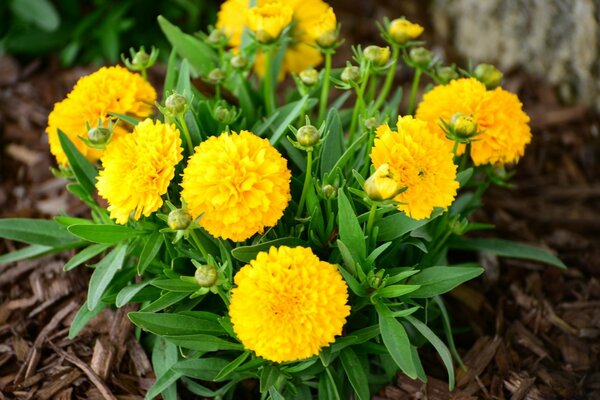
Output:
(309, 76)
(324, 29)
(224, 115)
(489, 75)
(216, 76)
(176, 104)
(382, 185)
(463, 125)
(99, 135)
(446, 74)
(375, 279)
(308, 136)
(421, 57)
(371, 123)
(206, 275)
(328, 39)
(329, 191)
(217, 37)
(351, 74)
(402, 30)
(379, 56)
(140, 58)
(179, 219)
(239, 61)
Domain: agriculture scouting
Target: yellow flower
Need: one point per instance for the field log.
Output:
(420, 161)
(324, 29)
(299, 54)
(498, 114)
(268, 21)
(288, 304)
(138, 168)
(239, 184)
(110, 89)
(402, 30)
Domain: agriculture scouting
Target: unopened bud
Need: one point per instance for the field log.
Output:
(379, 56)
(179, 219)
(420, 56)
(375, 279)
(206, 275)
(371, 123)
(176, 104)
(402, 30)
(489, 75)
(99, 135)
(309, 76)
(382, 185)
(308, 136)
(215, 76)
(463, 125)
(224, 115)
(239, 61)
(351, 74)
(217, 37)
(140, 58)
(446, 74)
(328, 39)
(329, 191)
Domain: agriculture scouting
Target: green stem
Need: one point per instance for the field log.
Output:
(199, 244)
(371, 220)
(269, 93)
(307, 181)
(144, 74)
(455, 148)
(366, 163)
(358, 107)
(224, 296)
(413, 92)
(186, 133)
(389, 79)
(371, 91)
(325, 85)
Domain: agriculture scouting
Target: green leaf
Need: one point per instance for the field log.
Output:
(171, 76)
(396, 341)
(199, 54)
(175, 285)
(128, 292)
(356, 374)
(439, 346)
(202, 342)
(286, 115)
(38, 12)
(350, 231)
(125, 118)
(84, 171)
(83, 316)
(248, 253)
(107, 234)
(356, 337)
(232, 366)
(275, 395)
(439, 280)
(177, 324)
(164, 356)
(327, 387)
(149, 252)
(32, 251)
(269, 377)
(163, 383)
(398, 224)
(463, 176)
(205, 369)
(166, 300)
(36, 231)
(397, 290)
(506, 248)
(103, 274)
(85, 255)
(448, 330)
(341, 162)
(333, 145)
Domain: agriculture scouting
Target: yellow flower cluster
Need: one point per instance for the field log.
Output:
(239, 183)
(300, 54)
(138, 168)
(420, 161)
(110, 89)
(498, 114)
(268, 21)
(288, 304)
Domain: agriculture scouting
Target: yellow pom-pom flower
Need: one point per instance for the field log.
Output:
(138, 168)
(402, 30)
(420, 161)
(323, 30)
(288, 304)
(499, 116)
(110, 89)
(239, 183)
(268, 21)
(300, 53)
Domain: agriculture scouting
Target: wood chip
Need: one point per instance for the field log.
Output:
(103, 357)
(57, 384)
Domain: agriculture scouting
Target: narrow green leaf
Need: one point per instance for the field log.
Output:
(40, 13)
(166, 300)
(397, 290)
(175, 285)
(202, 342)
(439, 280)
(36, 231)
(327, 387)
(333, 145)
(125, 118)
(32, 251)
(128, 292)
(177, 324)
(269, 377)
(356, 374)
(439, 346)
(353, 284)
(84, 171)
(448, 330)
(350, 231)
(357, 337)
(248, 253)
(463, 176)
(83, 316)
(396, 341)
(107, 234)
(103, 274)
(275, 395)
(164, 356)
(149, 252)
(341, 162)
(205, 369)
(398, 224)
(287, 114)
(85, 255)
(171, 77)
(232, 366)
(162, 384)
(506, 248)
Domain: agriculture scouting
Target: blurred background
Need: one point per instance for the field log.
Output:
(527, 331)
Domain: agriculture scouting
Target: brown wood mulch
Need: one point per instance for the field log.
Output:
(525, 331)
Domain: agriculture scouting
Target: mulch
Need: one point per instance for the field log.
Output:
(525, 330)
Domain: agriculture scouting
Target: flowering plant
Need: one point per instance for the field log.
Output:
(304, 243)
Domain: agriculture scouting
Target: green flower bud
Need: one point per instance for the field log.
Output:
(463, 125)
(179, 219)
(140, 58)
(402, 30)
(224, 115)
(215, 76)
(329, 191)
(379, 56)
(351, 74)
(99, 135)
(206, 275)
(217, 37)
(489, 75)
(327, 39)
(371, 123)
(420, 56)
(176, 104)
(239, 61)
(446, 74)
(308, 136)
(309, 76)
(375, 279)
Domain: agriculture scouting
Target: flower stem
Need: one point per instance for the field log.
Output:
(389, 79)
(358, 107)
(371, 220)
(186, 133)
(307, 180)
(269, 94)
(368, 151)
(413, 91)
(144, 74)
(325, 85)
(199, 245)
